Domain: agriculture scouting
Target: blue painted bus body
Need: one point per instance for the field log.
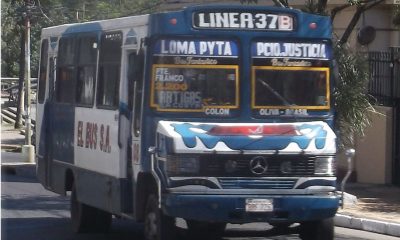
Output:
(211, 197)
(203, 200)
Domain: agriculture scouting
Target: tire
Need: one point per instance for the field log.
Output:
(85, 218)
(157, 226)
(205, 230)
(317, 230)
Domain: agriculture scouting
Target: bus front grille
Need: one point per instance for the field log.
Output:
(250, 183)
(240, 166)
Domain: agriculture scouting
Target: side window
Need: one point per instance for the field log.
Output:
(135, 79)
(43, 70)
(52, 72)
(87, 60)
(66, 70)
(109, 70)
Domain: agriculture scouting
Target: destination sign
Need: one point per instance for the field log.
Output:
(206, 48)
(290, 50)
(243, 20)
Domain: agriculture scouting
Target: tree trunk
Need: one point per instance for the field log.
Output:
(360, 9)
(321, 6)
(351, 25)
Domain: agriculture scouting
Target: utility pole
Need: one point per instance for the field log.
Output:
(21, 76)
(28, 149)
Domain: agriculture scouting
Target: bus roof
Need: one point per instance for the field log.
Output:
(182, 22)
(305, 25)
(108, 24)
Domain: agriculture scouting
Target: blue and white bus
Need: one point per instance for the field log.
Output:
(213, 114)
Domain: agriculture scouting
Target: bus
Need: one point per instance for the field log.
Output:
(213, 114)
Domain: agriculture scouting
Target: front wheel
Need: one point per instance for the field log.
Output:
(157, 226)
(317, 230)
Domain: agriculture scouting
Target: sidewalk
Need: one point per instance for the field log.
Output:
(12, 160)
(11, 139)
(377, 208)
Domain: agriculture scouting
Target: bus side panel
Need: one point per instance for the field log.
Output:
(42, 143)
(99, 167)
(62, 126)
(95, 189)
(99, 190)
(56, 143)
(96, 142)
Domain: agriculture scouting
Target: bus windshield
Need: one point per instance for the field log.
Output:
(178, 87)
(284, 87)
(290, 75)
(192, 75)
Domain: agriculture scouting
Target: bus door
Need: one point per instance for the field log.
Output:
(60, 110)
(129, 125)
(42, 126)
(48, 149)
(137, 62)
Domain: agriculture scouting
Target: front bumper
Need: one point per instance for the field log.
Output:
(231, 208)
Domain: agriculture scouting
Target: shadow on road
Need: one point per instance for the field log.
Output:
(259, 233)
(9, 174)
(35, 203)
(30, 212)
(60, 229)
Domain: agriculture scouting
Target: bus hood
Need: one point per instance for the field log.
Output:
(260, 138)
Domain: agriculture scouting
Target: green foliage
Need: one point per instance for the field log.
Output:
(351, 98)
(350, 94)
(45, 13)
(10, 39)
(315, 7)
(355, 2)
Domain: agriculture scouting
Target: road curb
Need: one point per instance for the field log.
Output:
(392, 229)
(11, 147)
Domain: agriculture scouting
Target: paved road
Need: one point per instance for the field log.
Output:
(30, 212)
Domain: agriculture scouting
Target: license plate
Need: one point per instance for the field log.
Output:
(259, 205)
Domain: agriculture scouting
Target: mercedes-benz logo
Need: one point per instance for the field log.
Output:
(258, 165)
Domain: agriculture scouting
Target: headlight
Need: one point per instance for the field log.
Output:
(183, 165)
(324, 165)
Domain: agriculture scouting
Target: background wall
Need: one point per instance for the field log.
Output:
(373, 160)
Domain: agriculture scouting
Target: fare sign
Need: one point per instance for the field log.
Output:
(243, 20)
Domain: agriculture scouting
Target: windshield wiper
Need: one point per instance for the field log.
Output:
(279, 96)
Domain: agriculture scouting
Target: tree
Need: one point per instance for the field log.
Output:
(10, 38)
(44, 13)
(351, 95)
(55, 12)
(320, 7)
(47, 13)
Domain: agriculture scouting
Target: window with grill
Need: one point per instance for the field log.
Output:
(66, 70)
(109, 70)
(43, 70)
(86, 70)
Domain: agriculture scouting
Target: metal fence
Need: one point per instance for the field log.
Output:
(384, 70)
(384, 86)
(10, 82)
